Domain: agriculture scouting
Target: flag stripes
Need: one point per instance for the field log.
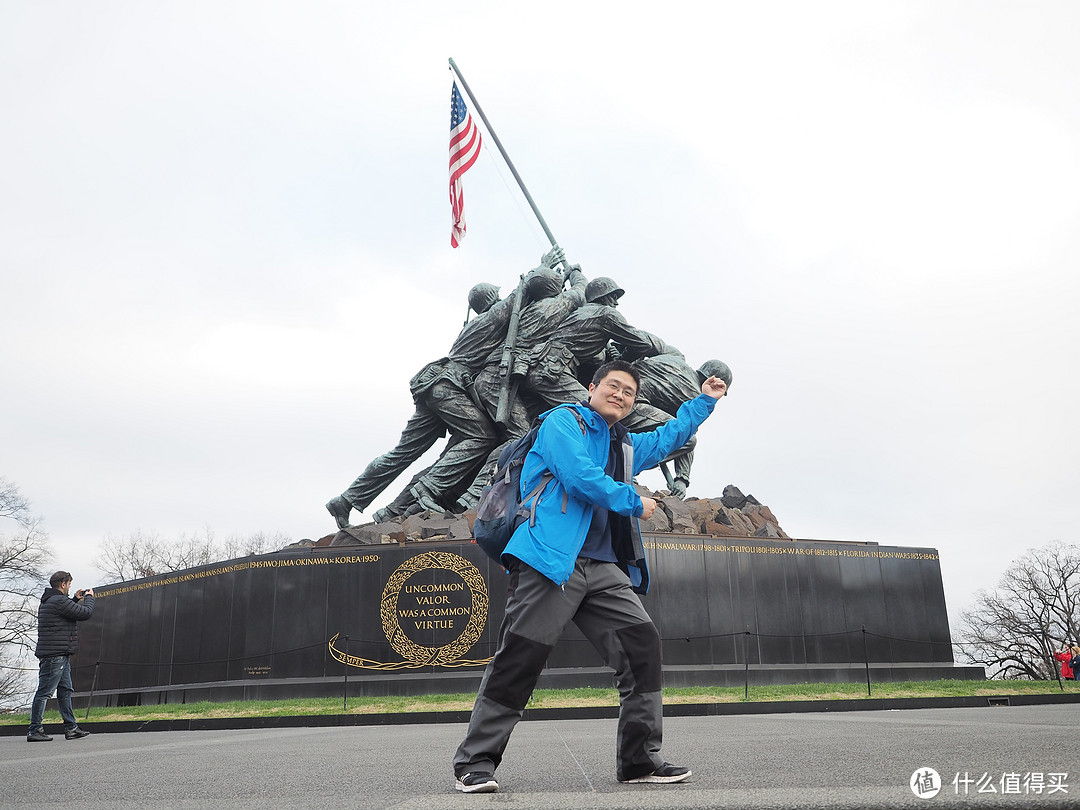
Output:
(464, 149)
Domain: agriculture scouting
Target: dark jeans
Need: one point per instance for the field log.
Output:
(53, 673)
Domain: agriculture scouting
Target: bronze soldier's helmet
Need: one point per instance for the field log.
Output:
(543, 282)
(482, 297)
(601, 286)
(715, 368)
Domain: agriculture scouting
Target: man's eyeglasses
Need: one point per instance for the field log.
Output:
(629, 393)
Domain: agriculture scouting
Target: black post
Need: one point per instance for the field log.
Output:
(746, 665)
(93, 685)
(345, 690)
(866, 660)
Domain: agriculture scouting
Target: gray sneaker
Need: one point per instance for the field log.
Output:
(476, 783)
(666, 774)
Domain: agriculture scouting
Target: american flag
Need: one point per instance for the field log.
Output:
(464, 149)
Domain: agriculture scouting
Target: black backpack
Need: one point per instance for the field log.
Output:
(502, 509)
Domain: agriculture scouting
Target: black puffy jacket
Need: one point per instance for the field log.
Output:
(57, 614)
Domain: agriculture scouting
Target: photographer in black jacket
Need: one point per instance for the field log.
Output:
(58, 639)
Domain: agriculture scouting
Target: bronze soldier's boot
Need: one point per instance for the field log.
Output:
(340, 509)
(425, 497)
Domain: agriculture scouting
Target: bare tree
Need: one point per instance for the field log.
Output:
(251, 544)
(147, 554)
(24, 557)
(1015, 629)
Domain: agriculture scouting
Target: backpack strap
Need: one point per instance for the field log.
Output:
(548, 475)
(584, 431)
(534, 496)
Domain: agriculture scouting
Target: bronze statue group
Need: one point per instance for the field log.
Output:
(521, 355)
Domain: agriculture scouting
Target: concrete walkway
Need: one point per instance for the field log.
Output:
(847, 760)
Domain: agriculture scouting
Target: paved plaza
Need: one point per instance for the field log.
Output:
(814, 760)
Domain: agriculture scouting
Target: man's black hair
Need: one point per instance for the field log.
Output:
(616, 365)
(59, 578)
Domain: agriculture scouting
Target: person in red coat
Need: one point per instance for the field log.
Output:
(1065, 657)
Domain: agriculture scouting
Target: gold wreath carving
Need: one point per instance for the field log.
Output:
(417, 655)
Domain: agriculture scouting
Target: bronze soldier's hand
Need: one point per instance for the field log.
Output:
(552, 257)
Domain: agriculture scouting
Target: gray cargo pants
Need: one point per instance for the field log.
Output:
(599, 600)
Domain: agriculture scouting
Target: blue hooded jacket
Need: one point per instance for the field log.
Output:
(564, 509)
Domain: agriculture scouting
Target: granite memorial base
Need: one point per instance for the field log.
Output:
(420, 618)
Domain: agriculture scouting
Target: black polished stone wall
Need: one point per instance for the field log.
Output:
(394, 612)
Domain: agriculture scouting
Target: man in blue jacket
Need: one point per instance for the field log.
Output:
(58, 640)
(582, 560)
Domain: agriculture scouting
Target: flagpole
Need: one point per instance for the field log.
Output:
(506, 157)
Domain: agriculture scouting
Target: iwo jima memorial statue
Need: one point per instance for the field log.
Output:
(406, 603)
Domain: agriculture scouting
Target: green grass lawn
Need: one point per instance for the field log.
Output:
(557, 698)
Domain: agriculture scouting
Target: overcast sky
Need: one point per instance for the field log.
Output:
(225, 248)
